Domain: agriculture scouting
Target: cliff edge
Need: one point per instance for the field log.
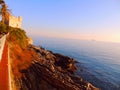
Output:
(51, 71)
(34, 68)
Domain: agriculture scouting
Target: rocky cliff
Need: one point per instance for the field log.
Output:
(34, 68)
(51, 71)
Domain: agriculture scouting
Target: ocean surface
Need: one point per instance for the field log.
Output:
(99, 61)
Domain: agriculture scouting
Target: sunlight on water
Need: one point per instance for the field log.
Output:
(100, 61)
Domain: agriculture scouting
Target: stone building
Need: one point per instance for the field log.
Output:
(30, 40)
(15, 21)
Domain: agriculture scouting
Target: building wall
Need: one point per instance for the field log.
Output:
(30, 40)
(15, 21)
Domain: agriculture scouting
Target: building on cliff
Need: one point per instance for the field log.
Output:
(14, 21)
(30, 40)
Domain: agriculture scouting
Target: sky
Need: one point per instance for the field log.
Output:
(74, 19)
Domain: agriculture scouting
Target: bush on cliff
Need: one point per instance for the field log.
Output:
(21, 59)
(18, 36)
(4, 28)
(20, 53)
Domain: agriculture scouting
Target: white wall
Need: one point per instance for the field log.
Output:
(2, 43)
(15, 21)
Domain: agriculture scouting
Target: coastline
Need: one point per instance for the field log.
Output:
(99, 61)
(52, 71)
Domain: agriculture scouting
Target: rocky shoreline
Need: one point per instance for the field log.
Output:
(51, 71)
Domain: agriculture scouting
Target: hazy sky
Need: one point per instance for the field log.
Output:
(79, 19)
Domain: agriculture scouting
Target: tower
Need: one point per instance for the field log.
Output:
(15, 21)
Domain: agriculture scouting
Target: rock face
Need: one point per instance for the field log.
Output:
(51, 71)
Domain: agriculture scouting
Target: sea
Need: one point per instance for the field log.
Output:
(98, 62)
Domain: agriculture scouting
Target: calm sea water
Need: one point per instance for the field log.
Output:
(99, 61)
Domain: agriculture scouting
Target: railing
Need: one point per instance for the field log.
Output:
(2, 43)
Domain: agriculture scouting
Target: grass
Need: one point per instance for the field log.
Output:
(21, 59)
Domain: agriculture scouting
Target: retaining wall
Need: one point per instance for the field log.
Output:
(2, 43)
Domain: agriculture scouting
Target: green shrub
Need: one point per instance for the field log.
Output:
(3, 28)
(18, 36)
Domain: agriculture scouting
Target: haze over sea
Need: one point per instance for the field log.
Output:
(99, 61)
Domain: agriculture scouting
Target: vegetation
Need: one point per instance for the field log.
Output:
(21, 55)
(4, 12)
(18, 36)
(4, 28)
(21, 59)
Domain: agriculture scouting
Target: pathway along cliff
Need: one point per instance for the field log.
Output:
(4, 81)
(51, 71)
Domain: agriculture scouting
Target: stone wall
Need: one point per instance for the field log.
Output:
(15, 21)
(2, 43)
(30, 40)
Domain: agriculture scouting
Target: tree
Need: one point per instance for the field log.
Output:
(4, 12)
(1, 1)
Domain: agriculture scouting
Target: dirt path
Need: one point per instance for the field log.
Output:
(4, 84)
